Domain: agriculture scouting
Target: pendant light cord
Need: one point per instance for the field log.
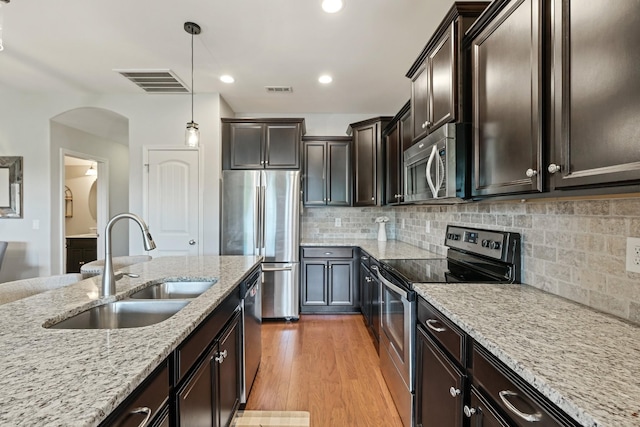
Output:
(192, 89)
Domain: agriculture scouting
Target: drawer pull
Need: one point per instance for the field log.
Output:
(468, 412)
(328, 253)
(142, 410)
(364, 258)
(454, 392)
(532, 418)
(431, 322)
(374, 268)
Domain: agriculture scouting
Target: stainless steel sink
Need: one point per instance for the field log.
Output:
(174, 290)
(123, 314)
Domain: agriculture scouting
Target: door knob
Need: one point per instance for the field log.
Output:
(192, 242)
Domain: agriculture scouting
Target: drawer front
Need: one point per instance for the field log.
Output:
(521, 404)
(446, 334)
(148, 400)
(328, 252)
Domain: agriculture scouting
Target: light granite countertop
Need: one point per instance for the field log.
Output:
(584, 361)
(390, 249)
(55, 377)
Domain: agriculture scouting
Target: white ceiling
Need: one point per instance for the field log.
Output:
(74, 45)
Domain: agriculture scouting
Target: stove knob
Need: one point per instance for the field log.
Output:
(485, 243)
(456, 237)
(495, 245)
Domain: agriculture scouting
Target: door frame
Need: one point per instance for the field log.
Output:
(102, 208)
(145, 184)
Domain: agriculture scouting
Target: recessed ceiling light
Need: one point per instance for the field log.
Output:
(332, 6)
(325, 79)
(227, 79)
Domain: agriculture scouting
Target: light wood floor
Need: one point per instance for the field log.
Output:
(327, 365)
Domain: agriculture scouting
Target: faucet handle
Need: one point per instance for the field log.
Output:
(118, 275)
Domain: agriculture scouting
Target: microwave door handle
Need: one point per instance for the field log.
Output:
(440, 166)
(428, 169)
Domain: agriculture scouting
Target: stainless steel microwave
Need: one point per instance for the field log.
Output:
(436, 169)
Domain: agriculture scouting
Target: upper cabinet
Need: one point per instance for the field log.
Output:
(596, 93)
(396, 138)
(326, 171)
(261, 143)
(368, 158)
(438, 74)
(507, 93)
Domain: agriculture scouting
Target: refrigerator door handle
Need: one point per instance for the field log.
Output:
(263, 191)
(256, 238)
(287, 267)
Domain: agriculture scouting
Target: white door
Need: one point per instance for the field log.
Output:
(173, 201)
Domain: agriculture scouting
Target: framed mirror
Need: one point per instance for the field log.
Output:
(10, 187)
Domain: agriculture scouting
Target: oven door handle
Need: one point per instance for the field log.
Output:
(395, 288)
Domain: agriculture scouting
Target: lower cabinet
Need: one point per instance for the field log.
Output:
(79, 252)
(328, 281)
(370, 295)
(460, 383)
(211, 394)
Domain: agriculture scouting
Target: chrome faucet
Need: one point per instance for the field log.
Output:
(108, 276)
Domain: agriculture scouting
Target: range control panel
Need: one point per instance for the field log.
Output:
(495, 244)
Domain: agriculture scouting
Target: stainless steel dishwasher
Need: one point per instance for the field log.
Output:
(251, 332)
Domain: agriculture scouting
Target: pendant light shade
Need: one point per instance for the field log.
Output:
(91, 171)
(192, 133)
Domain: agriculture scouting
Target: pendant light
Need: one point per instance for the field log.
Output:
(192, 134)
(91, 171)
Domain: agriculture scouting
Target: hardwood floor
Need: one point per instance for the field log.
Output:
(327, 365)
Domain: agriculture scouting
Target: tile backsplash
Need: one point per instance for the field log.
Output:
(572, 248)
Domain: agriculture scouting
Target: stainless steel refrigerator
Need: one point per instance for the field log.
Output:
(261, 216)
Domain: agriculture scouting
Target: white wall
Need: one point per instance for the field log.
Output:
(153, 120)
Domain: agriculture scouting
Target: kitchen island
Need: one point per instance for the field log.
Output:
(58, 377)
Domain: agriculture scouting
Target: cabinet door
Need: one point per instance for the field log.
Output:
(365, 147)
(341, 284)
(338, 174)
(314, 173)
(507, 71)
(439, 388)
(420, 101)
(314, 279)
(195, 399)
(365, 280)
(246, 145)
(393, 157)
(597, 93)
(482, 414)
(442, 81)
(283, 147)
(406, 134)
(228, 373)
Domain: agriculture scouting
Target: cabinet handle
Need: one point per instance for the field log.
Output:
(224, 354)
(262, 162)
(454, 392)
(531, 173)
(192, 242)
(423, 125)
(374, 268)
(142, 410)
(428, 123)
(532, 418)
(553, 168)
(468, 412)
(373, 197)
(328, 253)
(367, 279)
(364, 258)
(219, 359)
(431, 322)
(81, 263)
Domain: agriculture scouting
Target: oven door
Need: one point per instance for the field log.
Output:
(397, 323)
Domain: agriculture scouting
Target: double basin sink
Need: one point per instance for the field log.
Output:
(148, 306)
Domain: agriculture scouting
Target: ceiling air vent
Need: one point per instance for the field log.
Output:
(279, 89)
(155, 81)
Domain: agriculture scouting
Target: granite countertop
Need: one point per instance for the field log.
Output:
(584, 361)
(390, 249)
(58, 377)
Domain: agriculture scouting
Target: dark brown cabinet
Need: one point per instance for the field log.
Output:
(261, 143)
(79, 252)
(211, 395)
(394, 145)
(439, 72)
(596, 93)
(440, 386)
(327, 171)
(328, 281)
(368, 161)
(370, 295)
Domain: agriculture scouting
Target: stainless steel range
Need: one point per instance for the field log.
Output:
(474, 256)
